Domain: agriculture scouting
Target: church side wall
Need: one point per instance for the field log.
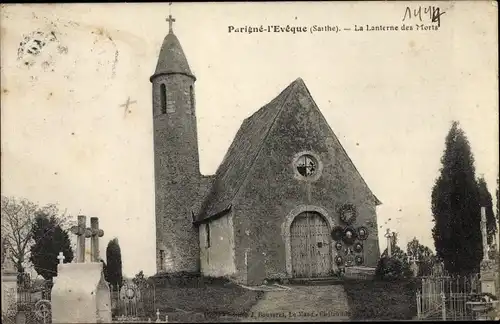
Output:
(272, 190)
(217, 260)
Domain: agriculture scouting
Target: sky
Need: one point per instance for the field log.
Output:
(389, 96)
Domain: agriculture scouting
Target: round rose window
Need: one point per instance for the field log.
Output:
(307, 165)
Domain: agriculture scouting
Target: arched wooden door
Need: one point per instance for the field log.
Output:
(310, 242)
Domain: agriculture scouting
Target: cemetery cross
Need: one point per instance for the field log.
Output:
(81, 233)
(95, 233)
(61, 258)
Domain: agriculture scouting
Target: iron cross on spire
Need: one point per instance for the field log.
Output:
(171, 21)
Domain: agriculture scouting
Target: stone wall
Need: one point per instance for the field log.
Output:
(217, 260)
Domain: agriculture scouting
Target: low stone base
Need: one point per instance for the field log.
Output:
(187, 280)
(359, 273)
(80, 294)
(9, 291)
(489, 277)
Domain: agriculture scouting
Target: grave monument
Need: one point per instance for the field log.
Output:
(9, 280)
(80, 293)
(413, 261)
(488, 267)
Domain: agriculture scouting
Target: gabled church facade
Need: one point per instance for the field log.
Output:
(286, 201)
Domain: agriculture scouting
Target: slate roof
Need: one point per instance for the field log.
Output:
(242, 153)
(240, 156)
(171, 58)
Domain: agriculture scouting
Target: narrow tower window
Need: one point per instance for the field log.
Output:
(191, 98)
(162, 260)
(163, 98)
(207, 230)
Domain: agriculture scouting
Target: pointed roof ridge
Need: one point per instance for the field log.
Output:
(171, 59)
(287, 88)
(241, 155)
(300, 80)
(244, 150)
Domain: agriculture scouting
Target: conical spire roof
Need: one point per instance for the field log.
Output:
(172, 58)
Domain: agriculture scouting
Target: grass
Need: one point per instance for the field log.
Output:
(381, 300)
(193, 298)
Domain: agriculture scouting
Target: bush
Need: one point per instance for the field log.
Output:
(390, 268)
(114, 264)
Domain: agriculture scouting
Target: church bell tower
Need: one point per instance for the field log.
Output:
(176, 159)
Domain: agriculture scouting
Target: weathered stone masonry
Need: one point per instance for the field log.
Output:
(237, 223)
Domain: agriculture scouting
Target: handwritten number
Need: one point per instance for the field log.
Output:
(434, 14)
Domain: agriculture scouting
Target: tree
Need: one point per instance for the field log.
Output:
(455, 207)
(498, 206)
(486, 201)
(17, 219)
(417, 250)
(423, 255)
(396, 266)
(139, 278)
(104, 269)
(49, 239)
(398, 253)
(114, 263)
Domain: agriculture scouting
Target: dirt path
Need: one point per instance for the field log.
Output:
(302, 303)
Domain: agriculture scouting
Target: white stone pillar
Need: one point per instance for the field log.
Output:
(9, 291)
(9, 283)
(489, 275)
(388, 236)
(484, 233)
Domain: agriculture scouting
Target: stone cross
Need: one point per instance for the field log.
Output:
(61, 258)
(388, 235)
(412, 258)
(81, 233)
(483, 232)
(95, 233)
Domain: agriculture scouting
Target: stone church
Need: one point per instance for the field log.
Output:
(286, 201)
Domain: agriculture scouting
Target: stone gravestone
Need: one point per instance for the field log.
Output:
(488, 267)
(9, 281)
(413, 265)
(80, 293)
